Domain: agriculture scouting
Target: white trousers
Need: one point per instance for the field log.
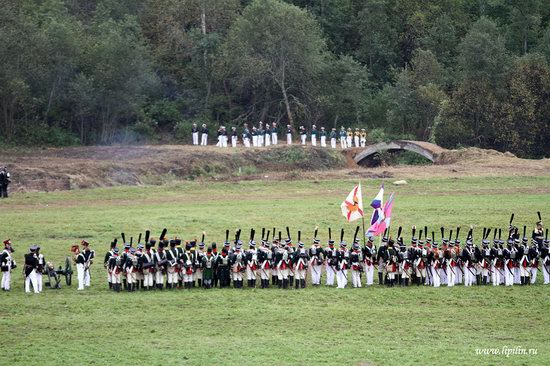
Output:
(289, 139)
(250, 274)
(282, 274)
(6, 280)
(147, 278)
(349, 141)
(224, 141)
(31, 279)
(316, 274)
(254, 141)
(516, 275)
(341, 278)
(273, 138)
(159, 278)
(451, 274)
(233, 141)
(204, 139)
(533, 271)
(546, 273)
(195, 138)
(172, 276)
(300, 274)
(333, 143)
(369, 274)
(495, 276)
(80, 275)
(246, 142)
(343, 143)
(314, 140)
(39, 281)
(323, 141)
(355, 278)
(267, 139)
(303, 139)
(330, 276)
(363, 142)
(508, 277)
(356, 141)
(436, 281)
(260, 140)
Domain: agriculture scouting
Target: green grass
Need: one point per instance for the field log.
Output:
(251, 327)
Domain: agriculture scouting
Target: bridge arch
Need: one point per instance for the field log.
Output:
(426, 149)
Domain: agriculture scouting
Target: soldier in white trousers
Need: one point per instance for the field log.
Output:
(7, 264)
(331, 258)
(39, 268)
(274, 135)
(316, 261)
(356, 262)
(31, 263)
(343, 265)
(323, 137)
(313, 135)
(195, 134)
(204, 135)
(234, 137)
(545, 260)
(288, 135)
(343, 138)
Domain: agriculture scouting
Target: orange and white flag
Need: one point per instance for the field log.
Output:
(352, 207)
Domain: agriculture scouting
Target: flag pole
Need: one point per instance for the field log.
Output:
(363, 219)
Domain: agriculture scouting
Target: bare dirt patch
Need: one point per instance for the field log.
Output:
(104, 166)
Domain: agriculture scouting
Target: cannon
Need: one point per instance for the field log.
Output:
(54, 275)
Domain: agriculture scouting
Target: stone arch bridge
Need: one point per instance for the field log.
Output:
(426, 149)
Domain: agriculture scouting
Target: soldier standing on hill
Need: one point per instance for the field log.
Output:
(333, 137)
(204, 135)
(363, 137)
(267, 135)
(254, 136)
(349, 138)
(313, 135)
(323, 136)
(288, 135)
(246, 136)
(195, 134)
(356, 137)
(343, 138)
(303, 135)
(274, 138)
(261, 134)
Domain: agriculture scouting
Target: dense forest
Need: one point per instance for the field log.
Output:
(455, 72)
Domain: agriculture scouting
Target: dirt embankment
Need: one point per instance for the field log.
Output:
(103, 166)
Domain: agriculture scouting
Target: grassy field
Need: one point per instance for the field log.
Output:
(378, 326)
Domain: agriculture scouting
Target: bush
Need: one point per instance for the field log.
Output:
(41, 134)
(145, 129)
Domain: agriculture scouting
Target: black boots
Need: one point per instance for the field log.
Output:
(110, 286)
(380, 278)
(285, 284)
(303, 283)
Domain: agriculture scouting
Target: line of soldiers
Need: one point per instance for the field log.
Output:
(278, 262)
(266, 135)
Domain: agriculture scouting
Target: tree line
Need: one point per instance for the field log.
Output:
(454, 72)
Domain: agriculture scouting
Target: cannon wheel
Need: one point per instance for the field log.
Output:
(50, 280)
(68, 271)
